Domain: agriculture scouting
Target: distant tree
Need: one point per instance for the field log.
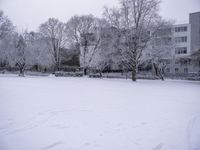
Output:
(81, 33)
(196, 55)
(107, 53)
(158, 52)
(6, 31)
(195, 58)
(6, 25)
(54, 32)
(19, 54)
(39, 50)
(78, 26)
(136, 18)
(4, 51)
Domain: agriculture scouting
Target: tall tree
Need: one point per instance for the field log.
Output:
(18, 54)
(6, 33)
(6, 25)
(136, 19)
(55, 33)
(39, 50)
(81, 31)
(79, 25)
(107, 54)
(159, 53)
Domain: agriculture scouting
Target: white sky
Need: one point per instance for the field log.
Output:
(29, 14)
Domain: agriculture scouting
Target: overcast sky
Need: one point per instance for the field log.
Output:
(29, 14)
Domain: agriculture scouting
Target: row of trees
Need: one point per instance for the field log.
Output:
(127, 36)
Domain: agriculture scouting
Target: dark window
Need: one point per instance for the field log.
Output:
(168, 70)
(185, 70)
(180, 29)
(167, 61)
(181, 50)
(176, 62)
(176, 70)
(181, 39)
(185, 28)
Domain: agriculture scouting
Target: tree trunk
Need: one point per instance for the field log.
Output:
(21, 72)
(56, 68)
(134, 74)
(161, 74)
(85, 71)
(100, 73)
(155, 69)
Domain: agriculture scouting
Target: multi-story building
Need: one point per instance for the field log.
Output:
(187, 41)
(182, 38)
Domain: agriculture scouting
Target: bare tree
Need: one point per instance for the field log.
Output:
(55, 33)
(39, 50)
(158, 52)
(82, 33)
(107, 53)
(18, 54)
(136, 19)
(78, 26)
(6, 31)
(6, 25)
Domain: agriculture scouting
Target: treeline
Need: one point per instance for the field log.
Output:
(125, 37)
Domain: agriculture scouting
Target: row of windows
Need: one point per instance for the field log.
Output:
(181, 50)
(181, 39)
(177, 70)
(180, 29)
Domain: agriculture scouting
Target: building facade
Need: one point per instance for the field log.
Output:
(186, 42)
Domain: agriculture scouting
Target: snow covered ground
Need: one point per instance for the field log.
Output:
(48, 113)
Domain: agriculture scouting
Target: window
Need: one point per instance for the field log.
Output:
(181, 29)
(167, 61)
(185, 70)
(181, 50)
(184, 28)
(181, 39)
(176, 62)
(176, 70)
(185, 62)
(168, 70)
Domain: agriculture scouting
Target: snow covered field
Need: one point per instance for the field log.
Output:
(48, 113)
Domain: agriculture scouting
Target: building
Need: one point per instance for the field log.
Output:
(182, 38)
(187, 42)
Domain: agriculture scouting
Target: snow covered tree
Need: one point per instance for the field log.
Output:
(158, 52)
(6, 25)
(19, 53)
(54, 32)
(81, 32)
(196, 58)
(89, 47)
(136, 18)
(6, 31)
(107, 53)
(78, 26)
(38, 50)
(4, 49)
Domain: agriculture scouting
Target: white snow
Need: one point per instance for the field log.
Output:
(48, 113)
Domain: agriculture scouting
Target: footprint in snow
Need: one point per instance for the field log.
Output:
(158, 147)
(53, 145)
